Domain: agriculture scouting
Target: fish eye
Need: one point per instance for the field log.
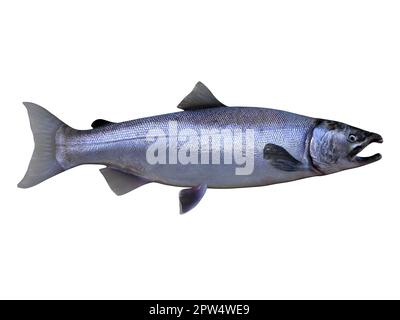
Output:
(352, 138)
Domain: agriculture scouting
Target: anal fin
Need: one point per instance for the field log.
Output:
(121, 182)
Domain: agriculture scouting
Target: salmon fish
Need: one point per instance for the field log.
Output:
(207, 145)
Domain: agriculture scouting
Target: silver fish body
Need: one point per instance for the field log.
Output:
(123, 146)
(208, 145)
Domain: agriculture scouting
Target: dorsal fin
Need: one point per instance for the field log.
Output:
(199, 98)
(100, 122)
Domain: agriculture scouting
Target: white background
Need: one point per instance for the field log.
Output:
(71, 237)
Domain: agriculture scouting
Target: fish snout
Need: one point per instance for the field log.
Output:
(374, 137)
(371, 137)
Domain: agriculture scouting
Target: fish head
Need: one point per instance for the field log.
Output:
(335, 146)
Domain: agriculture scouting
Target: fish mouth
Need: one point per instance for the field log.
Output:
(373, 138)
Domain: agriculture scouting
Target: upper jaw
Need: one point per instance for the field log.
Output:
(372, 138)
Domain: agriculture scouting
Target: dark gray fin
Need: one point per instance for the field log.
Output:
(281, 159)
(189, 198)
(121, 182)
(43, 164)
(199, 98)
(100, 123)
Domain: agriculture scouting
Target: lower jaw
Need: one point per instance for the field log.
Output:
(367, 160)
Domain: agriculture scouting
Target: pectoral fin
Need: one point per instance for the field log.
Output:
(189, 198)
(281, 159)
(121, 182)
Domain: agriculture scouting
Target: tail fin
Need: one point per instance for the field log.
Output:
(43, 164)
